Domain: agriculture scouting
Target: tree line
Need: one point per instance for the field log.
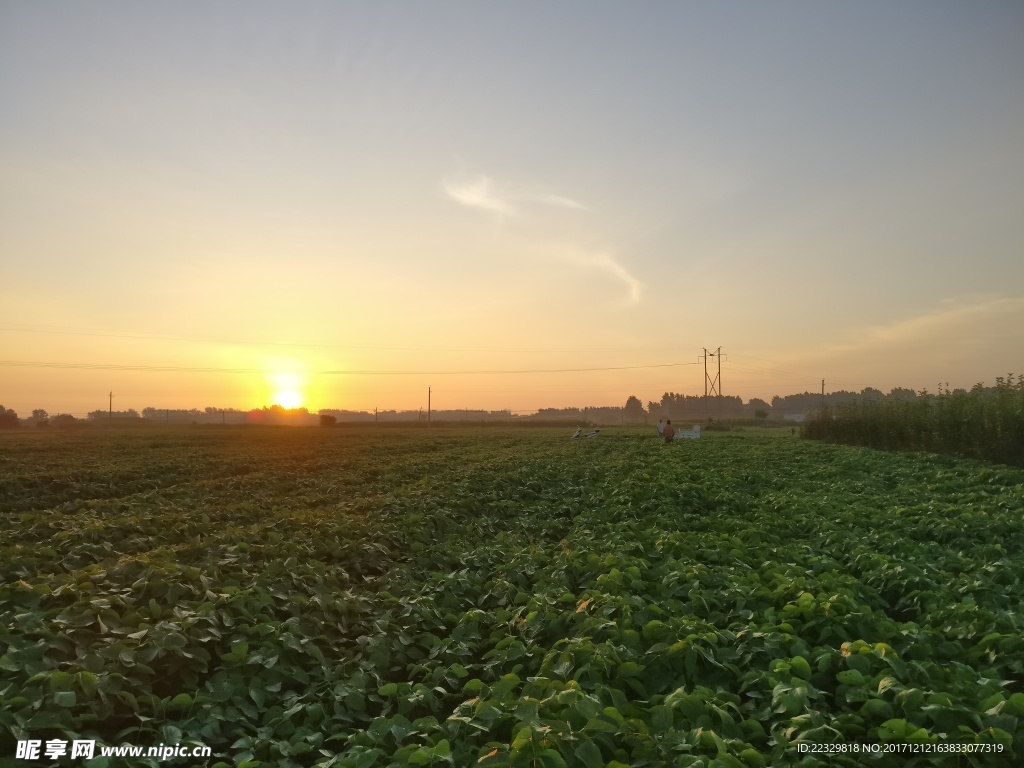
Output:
(672, 405)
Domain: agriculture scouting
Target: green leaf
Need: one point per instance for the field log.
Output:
(88, 682)
(800, 667)
(850, 677)
(998, 735)
(179, 703)
(661, 718)
(420, 757)
(629, 669)
(551, 759)
(590, 755)
(600, 724)
(901, 730)
(877, 709)
(257, 693)
(614, 714)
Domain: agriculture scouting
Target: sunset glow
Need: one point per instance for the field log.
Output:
(348, 205)
(287, 389)
(288, 398)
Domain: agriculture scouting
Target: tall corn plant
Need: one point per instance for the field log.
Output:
(985, 423)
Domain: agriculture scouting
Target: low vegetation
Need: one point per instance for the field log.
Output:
(509, 598)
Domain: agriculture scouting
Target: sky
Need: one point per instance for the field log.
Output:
(515, 205)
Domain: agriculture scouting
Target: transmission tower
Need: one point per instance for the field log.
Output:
(712, 386)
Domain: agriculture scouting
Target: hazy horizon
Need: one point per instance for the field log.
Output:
(337, 205)
(647, 402)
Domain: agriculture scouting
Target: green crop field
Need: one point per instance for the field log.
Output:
(489, 597)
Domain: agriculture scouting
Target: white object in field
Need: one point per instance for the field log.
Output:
(693, 434)
(594, 433)
(577, 432)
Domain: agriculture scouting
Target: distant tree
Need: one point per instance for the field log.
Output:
(871, 394)
(760, 413)
(634, 410)
(40, 417)
(65, 420)
(326, 420)
(8, 418)
(98, 415)
(757, 404)
(902, 393)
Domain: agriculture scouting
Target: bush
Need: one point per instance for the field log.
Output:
(66, 421)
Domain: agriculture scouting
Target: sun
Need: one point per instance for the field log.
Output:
(288, 389)
(288, 398)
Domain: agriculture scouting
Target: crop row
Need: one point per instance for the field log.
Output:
(300, 598)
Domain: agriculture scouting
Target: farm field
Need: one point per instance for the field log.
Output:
(508, 597)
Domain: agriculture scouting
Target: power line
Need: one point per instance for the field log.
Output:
(58, 331)
(340, 372)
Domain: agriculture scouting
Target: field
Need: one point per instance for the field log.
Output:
(360, 598)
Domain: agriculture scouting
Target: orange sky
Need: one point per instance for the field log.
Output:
(343, 205)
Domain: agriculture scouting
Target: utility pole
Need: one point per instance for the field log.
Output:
(719, 379)
(823, 399)
(375, 414)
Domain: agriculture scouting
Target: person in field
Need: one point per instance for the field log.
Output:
(661, 427)
(669, 431)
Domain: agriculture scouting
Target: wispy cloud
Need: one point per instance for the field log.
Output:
(557, 201)
(984, 317)
(963, 342)
(605, 262)
(484, 194)
(479, 193)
